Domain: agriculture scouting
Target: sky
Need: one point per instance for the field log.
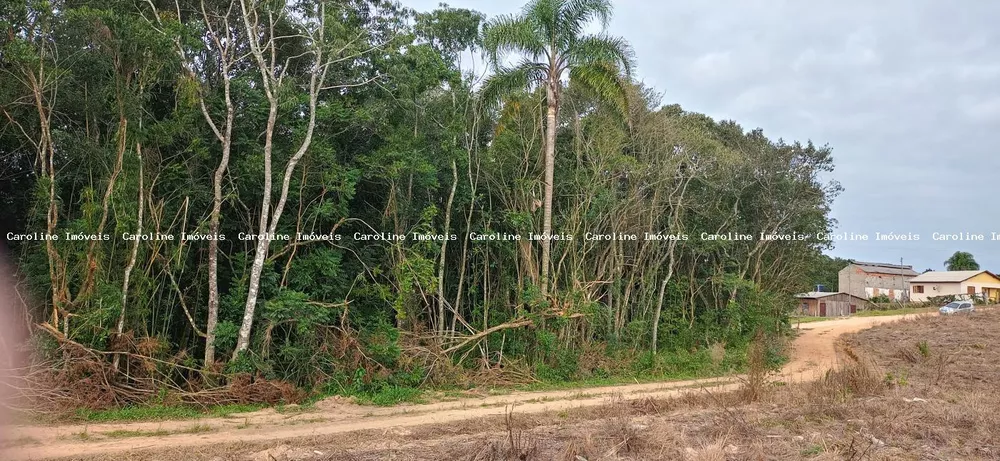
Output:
(905, 92)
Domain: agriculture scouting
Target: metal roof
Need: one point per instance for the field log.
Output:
(947, 276)
(885, 268)
(823, 294)
(815, 294)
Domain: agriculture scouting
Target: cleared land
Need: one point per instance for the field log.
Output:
(915, 389)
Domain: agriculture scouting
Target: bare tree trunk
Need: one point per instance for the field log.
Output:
(675, 225)
(223, 40)
(36, 83)
(550, 165)
(120, 328)
(663, 289)
(444, 246)
(213, 243)
(266, 70)
(260, 251)
(465, 244)
(46, 152)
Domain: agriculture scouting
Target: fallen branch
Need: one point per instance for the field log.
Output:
(482, 334)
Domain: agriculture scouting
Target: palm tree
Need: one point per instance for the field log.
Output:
(961, 261)
(548, 35)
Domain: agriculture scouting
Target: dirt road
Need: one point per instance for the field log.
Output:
(814, 352)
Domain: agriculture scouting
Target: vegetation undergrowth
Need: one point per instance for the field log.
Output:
(897, 311)
(163, 412)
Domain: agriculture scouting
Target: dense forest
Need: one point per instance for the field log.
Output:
(351, 196)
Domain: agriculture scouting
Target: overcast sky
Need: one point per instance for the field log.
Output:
(905, 92)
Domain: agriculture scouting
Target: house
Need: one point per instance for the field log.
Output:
(867, 280)
(964, 284)
(821, 304)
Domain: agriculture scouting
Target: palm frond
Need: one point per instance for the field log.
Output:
(601, 48)
(511, 34)
(546, 15)
(577, 14)
(509, 80)
(606, 82)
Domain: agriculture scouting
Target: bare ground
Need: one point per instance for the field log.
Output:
(894, 399)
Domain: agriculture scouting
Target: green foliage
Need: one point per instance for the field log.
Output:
(961, 261)
(942, 300)
(225, 336)
(677, 364)
(293, 307)
(924, 348)
(403, 144)
(162, 412)
(247, 362)
(825, 270)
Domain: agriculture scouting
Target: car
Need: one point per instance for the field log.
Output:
(957, 307)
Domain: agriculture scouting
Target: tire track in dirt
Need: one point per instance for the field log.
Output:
(813, 353)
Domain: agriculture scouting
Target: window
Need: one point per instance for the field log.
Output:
(918, 288)
(971, 290)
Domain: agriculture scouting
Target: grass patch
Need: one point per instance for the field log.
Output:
(900, 311)
(808, 319)
(195, 429)
(162, 412)
(390, 395)
(122, 434)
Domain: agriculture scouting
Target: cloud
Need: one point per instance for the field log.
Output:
(712, 67)
(976, 73)
(981, 110)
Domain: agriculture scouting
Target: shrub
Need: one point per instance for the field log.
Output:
(880, 299)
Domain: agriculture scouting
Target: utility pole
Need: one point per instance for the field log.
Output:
(902, 279)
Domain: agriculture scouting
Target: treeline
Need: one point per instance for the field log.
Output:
(220, 117)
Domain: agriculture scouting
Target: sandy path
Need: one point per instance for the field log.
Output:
(813, 353)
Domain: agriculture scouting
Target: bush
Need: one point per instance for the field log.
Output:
(941, 300)
(674, 364)
(880, 299)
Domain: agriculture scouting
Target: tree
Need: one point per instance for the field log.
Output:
(825, 270)
(217, 53)
(961, 261)
(548, 35)
(264, 49)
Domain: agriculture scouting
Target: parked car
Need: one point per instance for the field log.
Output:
(957, 307)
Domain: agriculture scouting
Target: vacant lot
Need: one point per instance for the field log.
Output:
(911, 389)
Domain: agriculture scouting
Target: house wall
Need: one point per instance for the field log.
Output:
(836, 305)
(892, 293)
(808, 307)
(857, 282)
(984, 284)
(932, 289)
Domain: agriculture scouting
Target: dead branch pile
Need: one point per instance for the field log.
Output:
(444, 363)
(85, 378)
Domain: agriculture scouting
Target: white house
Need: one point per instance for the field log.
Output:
(961, 283)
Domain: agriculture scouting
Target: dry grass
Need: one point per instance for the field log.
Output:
(515, 445)
(909, 390)
(757, 377)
